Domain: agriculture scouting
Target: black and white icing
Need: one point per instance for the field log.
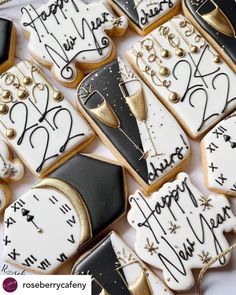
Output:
(178, 229)
(69, 32)
(219, 154)
(207, 89)
(165, 153)
(41, 137)
(115, 268)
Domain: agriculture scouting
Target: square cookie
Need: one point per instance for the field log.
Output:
(189, 77)
(146, 15)
(133, 124)
(216, 20)
(64, 211)
(38, 122)
(116, 270)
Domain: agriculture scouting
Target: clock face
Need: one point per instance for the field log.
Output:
(42, 230)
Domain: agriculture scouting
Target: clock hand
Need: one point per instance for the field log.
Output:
(30, 218)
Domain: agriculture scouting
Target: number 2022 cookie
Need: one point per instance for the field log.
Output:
(132, 122)
(178, 229)
(116, 270)
(38, 122)
(187, 74)
(218, 149)
(78, 201)
(71, 37)
(215, 19)
(146, 15)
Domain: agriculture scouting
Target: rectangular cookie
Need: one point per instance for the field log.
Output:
(215, 19)
(133, 124)
(189, 77)
(146, 15)
(62, 212)
(38, 122)
(116, 270)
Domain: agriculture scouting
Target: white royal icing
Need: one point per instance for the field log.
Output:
(178, 229)
(67, 32)
(59, 239)
(40, 141)
(206, 89)
(3, 198)
(219, 152)
(151, 10)
(132, 267)
(165, 152)
(11, 170)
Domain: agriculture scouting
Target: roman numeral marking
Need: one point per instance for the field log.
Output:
(71, 221)
(71, 239)
(212, 167)
(10, 221)
(221, 179)
(13, 254)
(35, 198)
(65, 209)
(53, 200)
(212, 147)
(62, 258)
(29, 261)
(44, 264)
(219, 131)
(18, 205)
(6, 241)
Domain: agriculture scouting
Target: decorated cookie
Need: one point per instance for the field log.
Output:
(79, 200)
(10, 169)
(216, 21)
(116, 270)
(146, 15)
(7, 44)
(71, 37)
(5, 196)
(133, 124)
(218, 155)
(38, 122)
(187, 74)
(178, 229)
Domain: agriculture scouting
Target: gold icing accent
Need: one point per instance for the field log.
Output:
(76, 200)
(141, 286)
(218, 20)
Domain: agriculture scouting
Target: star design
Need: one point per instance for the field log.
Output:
(173, 227)
(150, 247)
(205, 203)
(118, 22)
(9, 171)
(205, 257)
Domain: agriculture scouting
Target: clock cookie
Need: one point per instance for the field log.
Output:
(78, 201)
(146, 15)
(11, 169)
(7, 44)
(205, 93)
(218, 155)
(71, 37)
(5, 196)
(133, 124)
(215, 19)
(37, 121)
(116, 270)
(178, 229)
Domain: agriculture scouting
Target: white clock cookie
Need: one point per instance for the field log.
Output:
(178, 229)
(11, 169)
(186, 73)
(38, 122)
(218, 149)
(47, 225)
(71, 36)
